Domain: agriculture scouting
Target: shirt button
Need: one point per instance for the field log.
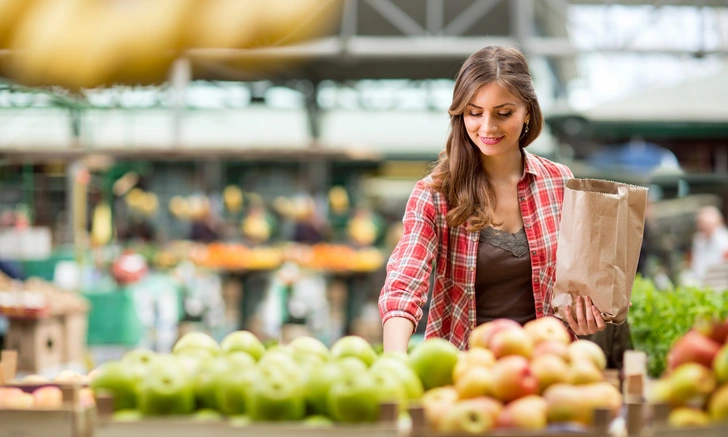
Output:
(535, 280)
(475, 237)
(472, 269)
(522, 199)
(472, 297)
(533, 252)
(472, 326)
(528, 226)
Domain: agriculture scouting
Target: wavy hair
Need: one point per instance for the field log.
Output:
(458, 173)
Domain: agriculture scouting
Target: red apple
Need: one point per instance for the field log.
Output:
(546, 329)
(549, 370)
(692, 347)
(513, 378)
(525, 413)
(511, 341)
(585, 349)
(552, 348)
(466, 417)
(436, 402)
(480, 336)
(475, 382)
(49, 397)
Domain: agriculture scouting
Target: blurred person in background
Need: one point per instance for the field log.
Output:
(487, 215)
(710, 242)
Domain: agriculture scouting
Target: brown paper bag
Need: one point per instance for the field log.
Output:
(602, 224)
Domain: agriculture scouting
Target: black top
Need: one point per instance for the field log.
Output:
(503, 286)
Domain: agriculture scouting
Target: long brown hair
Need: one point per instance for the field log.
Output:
(458, 174)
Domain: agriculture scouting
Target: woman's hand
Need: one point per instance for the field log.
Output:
(588, 318)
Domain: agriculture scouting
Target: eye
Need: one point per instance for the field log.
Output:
(505, 114)
(473, 114)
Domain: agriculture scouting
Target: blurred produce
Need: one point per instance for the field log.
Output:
(37, 298)
(696, 384)
(659, 317)
(87, 43)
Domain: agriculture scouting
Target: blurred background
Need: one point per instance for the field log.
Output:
(177, 165)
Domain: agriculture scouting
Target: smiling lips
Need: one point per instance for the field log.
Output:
(491, 140)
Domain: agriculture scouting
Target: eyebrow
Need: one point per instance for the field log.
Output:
(494, 107)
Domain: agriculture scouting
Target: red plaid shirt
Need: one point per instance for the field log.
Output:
(427, 239)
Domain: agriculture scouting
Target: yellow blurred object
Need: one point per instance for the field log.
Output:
(134, 198)
(153, 36)
(179, 208)
(36, 38)
(339, 200)
(149, 204)
(89, 43)
(11, 12)
(256, 227)
(283, 206)
(284, 22)
(101, 228)
(226, 24)
(233, 198)
(362, 230)
(198, 207)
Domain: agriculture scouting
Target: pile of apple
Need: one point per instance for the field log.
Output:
(46, 398)
(696, 382)
(515, 377)
(239, 378)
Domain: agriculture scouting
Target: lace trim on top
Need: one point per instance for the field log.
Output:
(516, 243)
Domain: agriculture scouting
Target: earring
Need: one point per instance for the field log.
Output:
(526, 127)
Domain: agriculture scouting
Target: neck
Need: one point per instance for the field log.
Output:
(503, 167)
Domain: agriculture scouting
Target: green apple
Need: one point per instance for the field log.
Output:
(276, 396)
(399, 355)
(354, 399)
(302, 348)
(139, 359)
(240, 421)
(279, 360)
(240, 360)
(232, 390)
(318, 384)
(127, 416)
(353, 346)
(318, 422)
(407, 377)
(119, 380)
(206, 415)
(352, 366)
(433, 361)
(244, 341)
(196, 344)
(166, 389)
(206, 380)
(390, 389)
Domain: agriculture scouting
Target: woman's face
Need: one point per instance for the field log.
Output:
(495, 119)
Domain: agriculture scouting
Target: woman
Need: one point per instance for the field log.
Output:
(487, 216)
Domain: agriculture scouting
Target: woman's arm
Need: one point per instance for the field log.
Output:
(408, 270)
(397, 332)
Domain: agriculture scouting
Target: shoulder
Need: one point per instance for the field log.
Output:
(549, 169)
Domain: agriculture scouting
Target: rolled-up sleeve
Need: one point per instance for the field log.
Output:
(409, 267)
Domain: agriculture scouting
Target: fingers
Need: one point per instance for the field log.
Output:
(580, 316)
(601, 324)
(588, 317)
(572, 323)
(591, 324)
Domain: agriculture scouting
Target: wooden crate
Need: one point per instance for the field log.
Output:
(70, 421)
(184, 427)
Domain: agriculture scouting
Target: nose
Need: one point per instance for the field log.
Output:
(488, 125)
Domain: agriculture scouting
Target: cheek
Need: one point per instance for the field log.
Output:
(471, 124)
